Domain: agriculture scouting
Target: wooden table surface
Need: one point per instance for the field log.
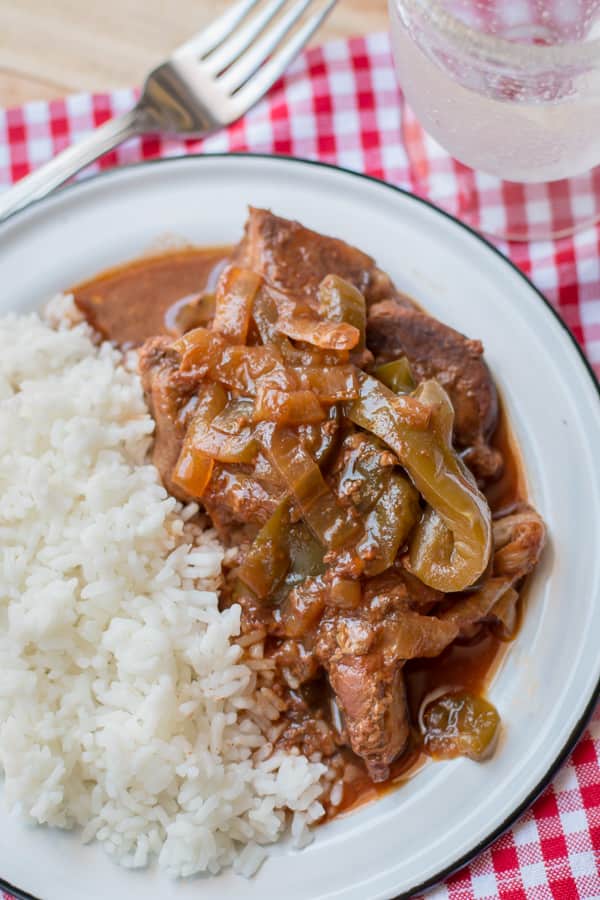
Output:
(49, 48)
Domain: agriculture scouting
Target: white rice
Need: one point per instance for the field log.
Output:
(126, 707)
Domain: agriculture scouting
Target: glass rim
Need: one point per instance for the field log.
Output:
(500, 50)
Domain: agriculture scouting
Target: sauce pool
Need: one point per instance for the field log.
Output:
(140, 299)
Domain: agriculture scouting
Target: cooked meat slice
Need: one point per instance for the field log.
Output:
(422, 597)
(363, 651)
(411, 635)
(295, 259)
(372, 698)
(471, 609)
(519, 539)
(237, 503)
(437, 351)
(171, 399)
(484, 461)
(310, 727)
(397, 588)
(309, 734)
(297, 663)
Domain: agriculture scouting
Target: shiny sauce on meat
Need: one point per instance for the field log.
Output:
(142, 299)
(468, 665)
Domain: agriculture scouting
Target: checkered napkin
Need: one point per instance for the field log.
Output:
(340, 103)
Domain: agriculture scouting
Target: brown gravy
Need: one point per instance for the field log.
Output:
(135, 301)
(131, 302)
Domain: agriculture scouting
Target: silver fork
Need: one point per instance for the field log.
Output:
(207, 83)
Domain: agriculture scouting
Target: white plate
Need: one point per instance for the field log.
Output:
(548, 683)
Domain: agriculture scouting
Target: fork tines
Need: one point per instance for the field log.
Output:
(249, 47)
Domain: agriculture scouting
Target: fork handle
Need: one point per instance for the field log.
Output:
(50, 176)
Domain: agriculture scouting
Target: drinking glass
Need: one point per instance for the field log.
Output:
(511, 89)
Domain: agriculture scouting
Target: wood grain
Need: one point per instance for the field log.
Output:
(49, 48)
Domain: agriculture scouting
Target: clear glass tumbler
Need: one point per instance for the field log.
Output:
(511, 89)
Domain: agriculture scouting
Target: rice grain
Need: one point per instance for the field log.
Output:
(126, 706)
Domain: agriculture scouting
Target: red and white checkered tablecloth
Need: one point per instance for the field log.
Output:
(340, 103)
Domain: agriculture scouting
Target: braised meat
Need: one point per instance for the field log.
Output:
(172, 399)
(363, 651)
(372, 697)
(339, 436)
(237, 503)
(436, 351)
(295, 260)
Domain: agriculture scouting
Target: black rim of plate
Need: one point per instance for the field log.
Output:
(595, 697)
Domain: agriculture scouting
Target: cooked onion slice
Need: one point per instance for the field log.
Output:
(326, 335)
(194, 467)
(286, 407)
(236, 292)
(340, 301)
(330, 384)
